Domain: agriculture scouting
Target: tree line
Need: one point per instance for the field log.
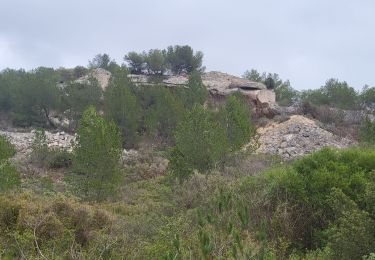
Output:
(178, 59)
(334, 93)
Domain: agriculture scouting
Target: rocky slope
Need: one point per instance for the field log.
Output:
(296, 137)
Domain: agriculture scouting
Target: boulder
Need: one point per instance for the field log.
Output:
(223, 83)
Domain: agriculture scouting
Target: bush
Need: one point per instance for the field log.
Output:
(367, 131)
(43, 156)
(318, 201)
(195, 93)
(334, 93)
(235, 119)
(122, 106)
(38, 227)
(340, 235)
(59, 158)
(9, 176)
(7, 150)
(39, 149)
(200, 142)
(162, 113)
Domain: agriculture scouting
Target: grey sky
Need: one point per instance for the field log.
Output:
(306, 41)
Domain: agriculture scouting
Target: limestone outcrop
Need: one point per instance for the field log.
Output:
(101, 75)
(221, 85)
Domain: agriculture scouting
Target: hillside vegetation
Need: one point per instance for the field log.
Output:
(154, 172)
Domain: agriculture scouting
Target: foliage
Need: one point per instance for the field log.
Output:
(285, 94)
(312, 203)
(59, 158)
(308, 209)
(195, 93)
(9, 80)
(103, 61)
(9, 177)
(35, 95)
(178, 59)
(96, 174)
(39, 148)
(163, 113)
(35, 227)
(340, 235)
(182, 59)
(79, 96)
(6, 149)
(271, 80)
(155, 62)
(121, 106)
(43, 156)
(200, 141)
(235, 119)
(79, 71)
(367, 97)
(136, 61)
(367, 131)
(334, 93)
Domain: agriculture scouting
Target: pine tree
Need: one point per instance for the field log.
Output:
(200, 142)
(122, 106)
(235, 118)
(96, 174)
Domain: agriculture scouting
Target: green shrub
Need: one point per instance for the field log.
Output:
(235, 119)
(36, 227)
(340, 235)
(59, 158)
(7, 150)
(43, 156)
(200, 142)
(309, 202)
(39, 149)
(9, 176)
(96, 173)
(367, 131)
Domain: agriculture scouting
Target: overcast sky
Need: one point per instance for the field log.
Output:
(306, 41)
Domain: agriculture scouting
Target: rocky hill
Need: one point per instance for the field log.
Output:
(220, 85)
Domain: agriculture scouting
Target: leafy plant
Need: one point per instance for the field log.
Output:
(96, 174)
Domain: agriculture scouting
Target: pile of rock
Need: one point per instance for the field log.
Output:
(296, 137)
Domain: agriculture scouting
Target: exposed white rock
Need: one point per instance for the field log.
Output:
(296, 137)
(101, 75)
(23, 140)
(220, 85)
